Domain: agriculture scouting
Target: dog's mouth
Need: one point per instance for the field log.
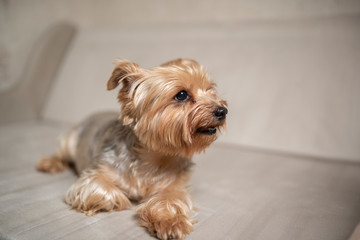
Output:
(207, 130)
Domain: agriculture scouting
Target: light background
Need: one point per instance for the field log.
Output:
(289, 69)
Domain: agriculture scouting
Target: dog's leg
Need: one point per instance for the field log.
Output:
(97, 190)
(167, 214)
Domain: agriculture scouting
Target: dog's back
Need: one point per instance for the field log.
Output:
(74, 146)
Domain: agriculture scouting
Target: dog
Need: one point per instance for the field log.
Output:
(143, 156)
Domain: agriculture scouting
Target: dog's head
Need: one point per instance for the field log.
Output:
(173, 108)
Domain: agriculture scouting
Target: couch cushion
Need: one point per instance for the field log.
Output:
(239, 193)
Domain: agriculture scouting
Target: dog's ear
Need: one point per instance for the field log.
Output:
(125, 71)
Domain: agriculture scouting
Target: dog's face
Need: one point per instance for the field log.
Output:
(173, 108)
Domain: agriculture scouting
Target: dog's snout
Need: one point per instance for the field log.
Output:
(220, 113)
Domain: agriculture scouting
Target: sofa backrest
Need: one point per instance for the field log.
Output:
(291, 86)
(289, 70)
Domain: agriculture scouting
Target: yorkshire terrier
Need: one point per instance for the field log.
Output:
(168, 113)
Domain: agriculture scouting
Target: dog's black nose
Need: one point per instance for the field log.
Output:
(220, 113)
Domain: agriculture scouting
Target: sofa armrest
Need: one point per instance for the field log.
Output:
(25, 100)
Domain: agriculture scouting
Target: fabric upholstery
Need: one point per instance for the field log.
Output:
(291, 86)
(291, 79)
(25, 99)
(356, 233)
(238, 193)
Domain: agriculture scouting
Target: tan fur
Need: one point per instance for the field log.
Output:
(145, 154)
(166, 214)
(51, 164)
(97, 190)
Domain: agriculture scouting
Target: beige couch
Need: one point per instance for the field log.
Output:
(287, 167)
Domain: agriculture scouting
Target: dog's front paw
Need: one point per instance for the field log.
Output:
(166, 215)
(174, 228)
(94, 192)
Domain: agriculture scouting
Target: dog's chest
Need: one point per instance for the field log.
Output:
(138, 177)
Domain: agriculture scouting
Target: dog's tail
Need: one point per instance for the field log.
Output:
(65, 153)
(51, 164)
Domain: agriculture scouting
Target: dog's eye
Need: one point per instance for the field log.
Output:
(182, 96)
